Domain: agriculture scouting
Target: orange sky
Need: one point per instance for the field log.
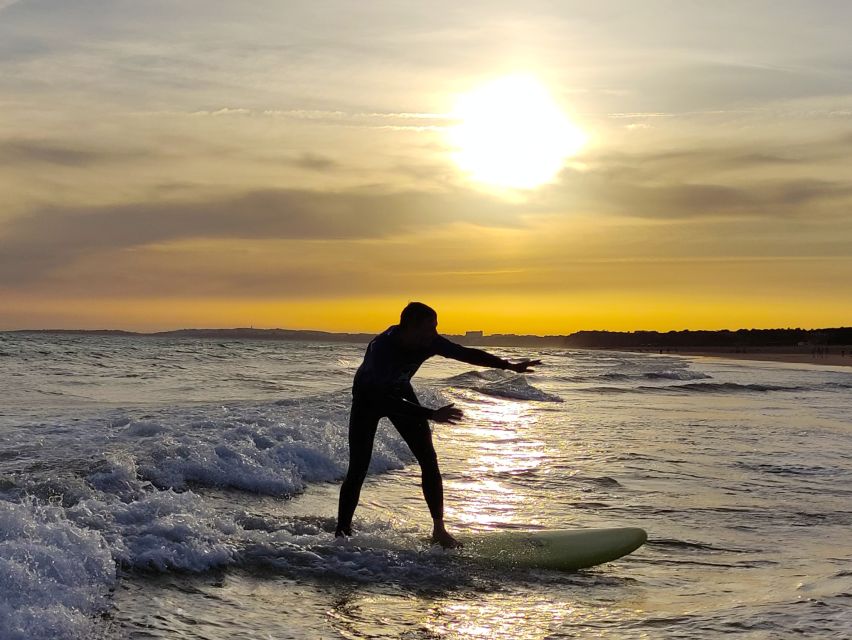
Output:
(207, 164)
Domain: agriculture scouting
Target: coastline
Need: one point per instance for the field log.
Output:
(838, 354)
(836, 357)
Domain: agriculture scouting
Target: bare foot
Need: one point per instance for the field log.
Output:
(444, 539)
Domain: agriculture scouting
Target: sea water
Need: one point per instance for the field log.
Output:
(165, 488)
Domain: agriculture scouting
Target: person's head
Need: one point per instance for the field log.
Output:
(419, 322)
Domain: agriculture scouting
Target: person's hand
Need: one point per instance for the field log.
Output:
(448, 414)
(524, 365)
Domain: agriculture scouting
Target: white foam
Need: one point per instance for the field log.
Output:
(55, 575)
(135, 507)
(163, 530)
(380, 551)
(144, 429)
(118, 476)
(273, 449)
(276, 450)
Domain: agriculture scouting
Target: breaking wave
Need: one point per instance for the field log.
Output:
(501, 384)
(55, 575)
(709, 388)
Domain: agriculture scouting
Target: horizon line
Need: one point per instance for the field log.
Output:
(483, 333)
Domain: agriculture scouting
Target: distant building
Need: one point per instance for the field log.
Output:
(473, 334)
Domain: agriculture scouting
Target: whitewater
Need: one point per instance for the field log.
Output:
(186, 488)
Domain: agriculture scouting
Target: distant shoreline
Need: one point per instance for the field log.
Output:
(310, 335)
(835, 357)
(826, 347)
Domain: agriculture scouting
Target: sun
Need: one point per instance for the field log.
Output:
(510, 133)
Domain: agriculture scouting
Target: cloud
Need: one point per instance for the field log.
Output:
(51, 237)
(680, 185)
(28, 151)
(314, 162)
(757, 180)
(701, 86)
(402, 121)
(715, 158)
(737, 156)
(620, 195)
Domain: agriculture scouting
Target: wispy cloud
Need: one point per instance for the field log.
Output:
(51, 237)
(27, 151)
(375, 120)
(314, 162)
(607, 192)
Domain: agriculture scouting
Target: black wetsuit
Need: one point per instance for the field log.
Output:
(382, 388)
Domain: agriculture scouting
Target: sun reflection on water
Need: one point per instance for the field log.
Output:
(500, 449)
(516, 614)
(499, 619)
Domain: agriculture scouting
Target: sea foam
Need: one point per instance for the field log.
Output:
(275, 450)
(62, 534)
(55, 575)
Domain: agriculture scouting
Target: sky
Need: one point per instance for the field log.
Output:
(203, 163)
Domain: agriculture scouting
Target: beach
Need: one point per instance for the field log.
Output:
(833, 356)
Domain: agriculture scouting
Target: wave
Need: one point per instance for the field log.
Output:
(792, 469)
(518, 389)
(667, 374)
(378, 552)
(277, 450)
(676, 374)
(59, 566)
(606, 390)
(837, 385)
(730, 387)
(702, 387)
(65, 525)
(686, 544)
(601, 481)
(501, 384)
(605, 377)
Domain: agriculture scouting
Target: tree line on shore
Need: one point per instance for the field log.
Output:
(685, 339)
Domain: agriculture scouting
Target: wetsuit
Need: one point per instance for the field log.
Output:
(382, 388)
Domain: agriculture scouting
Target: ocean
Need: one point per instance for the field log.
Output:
(185, 488)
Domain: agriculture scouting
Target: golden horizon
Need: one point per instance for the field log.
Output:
(502, 316)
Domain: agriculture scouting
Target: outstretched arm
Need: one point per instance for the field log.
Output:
(479, 357)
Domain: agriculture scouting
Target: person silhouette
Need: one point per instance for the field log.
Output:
(382, 388)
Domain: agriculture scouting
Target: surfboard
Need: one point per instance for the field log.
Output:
(558, 549)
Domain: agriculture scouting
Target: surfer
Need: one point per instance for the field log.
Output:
(382, 388)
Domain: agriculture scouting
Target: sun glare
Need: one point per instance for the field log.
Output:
(512, 134)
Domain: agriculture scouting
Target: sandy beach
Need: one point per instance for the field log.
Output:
(834, 356)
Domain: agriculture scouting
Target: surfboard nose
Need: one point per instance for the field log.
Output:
(638, 533)
(562, 549)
